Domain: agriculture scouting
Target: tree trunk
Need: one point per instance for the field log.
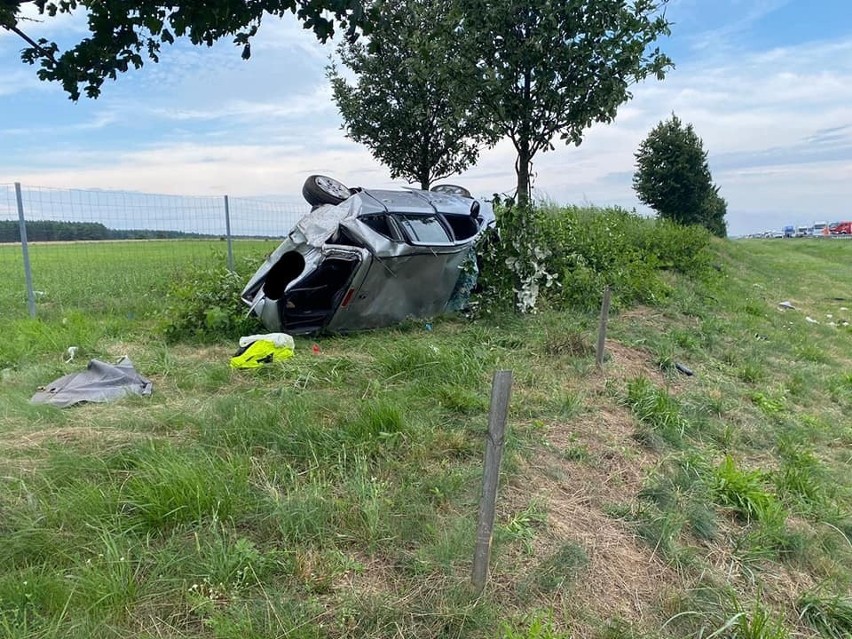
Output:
(522, 144)
(522, 169)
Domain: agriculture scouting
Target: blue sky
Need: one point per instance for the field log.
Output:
(767, 84)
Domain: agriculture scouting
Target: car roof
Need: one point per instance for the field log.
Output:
(413, 201)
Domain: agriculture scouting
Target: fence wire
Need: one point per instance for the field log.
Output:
(94, 251)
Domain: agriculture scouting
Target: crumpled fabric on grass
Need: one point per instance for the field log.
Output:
(100, 382)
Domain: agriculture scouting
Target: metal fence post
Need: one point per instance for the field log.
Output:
(228, 235)
(28, 273)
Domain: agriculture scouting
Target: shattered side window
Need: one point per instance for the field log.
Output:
(423, 229)
(379, 223)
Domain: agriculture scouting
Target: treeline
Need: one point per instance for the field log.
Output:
(53, 231)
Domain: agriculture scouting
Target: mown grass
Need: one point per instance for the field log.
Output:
(335, 494)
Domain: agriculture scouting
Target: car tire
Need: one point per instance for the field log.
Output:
(451, 189)
(319, 190)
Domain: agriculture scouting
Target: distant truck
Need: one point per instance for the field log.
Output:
(802, 231)
(789, 231)
(820, 229)
(840, 228)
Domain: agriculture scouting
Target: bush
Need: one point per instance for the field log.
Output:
(205, 306)
(564, 256)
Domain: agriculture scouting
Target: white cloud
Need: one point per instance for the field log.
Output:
(255, 111)
(777, 125)
(200, 169)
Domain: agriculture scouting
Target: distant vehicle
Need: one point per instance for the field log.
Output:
(789, 231)
(820, 229)
(777, 235)
(841, 228)
(802, 231)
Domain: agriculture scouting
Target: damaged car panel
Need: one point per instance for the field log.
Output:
(375, 259)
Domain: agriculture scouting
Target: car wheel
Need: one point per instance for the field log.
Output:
(451, 189)
(319, 189)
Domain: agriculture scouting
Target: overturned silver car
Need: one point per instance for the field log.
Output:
(365, 258)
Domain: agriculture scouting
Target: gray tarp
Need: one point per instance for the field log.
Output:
(100, 382)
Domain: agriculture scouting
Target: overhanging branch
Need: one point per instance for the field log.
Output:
(35, 45)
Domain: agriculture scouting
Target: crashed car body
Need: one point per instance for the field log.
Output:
(375, 259)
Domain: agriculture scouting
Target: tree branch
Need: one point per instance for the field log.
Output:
(35, 45)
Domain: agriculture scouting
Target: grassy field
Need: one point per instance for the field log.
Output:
(117, 278)
(335, 495)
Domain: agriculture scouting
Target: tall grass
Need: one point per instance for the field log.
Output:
(335, 495)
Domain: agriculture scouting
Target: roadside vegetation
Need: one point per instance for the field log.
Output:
(335, 494)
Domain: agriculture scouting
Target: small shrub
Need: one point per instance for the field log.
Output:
(205, 306)
(534, 626)
(768, 404)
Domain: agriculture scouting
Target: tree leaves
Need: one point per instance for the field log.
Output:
(411, 103)
(673, 177)
(550, 69)
(124, 35)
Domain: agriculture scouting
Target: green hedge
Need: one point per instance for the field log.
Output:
(573, 252)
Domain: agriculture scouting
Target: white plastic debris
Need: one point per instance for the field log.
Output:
(71, 353)
(786, 305)
(281, 340)
(811, 320)
(829, 315)
(843, 308)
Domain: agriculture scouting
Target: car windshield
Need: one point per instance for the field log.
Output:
(423, 229)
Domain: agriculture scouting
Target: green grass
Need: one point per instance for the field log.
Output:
(830, 615)
(334, 495)
(120, 279)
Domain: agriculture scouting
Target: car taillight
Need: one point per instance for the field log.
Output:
(347, 298)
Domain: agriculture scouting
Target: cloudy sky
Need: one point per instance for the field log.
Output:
(767, 84)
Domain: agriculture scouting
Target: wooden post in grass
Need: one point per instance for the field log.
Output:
(599, 358)
(501, 391)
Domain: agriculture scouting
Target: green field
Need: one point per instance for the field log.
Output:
(335, 494)
(122, 277)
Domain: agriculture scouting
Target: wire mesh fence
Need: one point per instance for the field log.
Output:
(118, 252)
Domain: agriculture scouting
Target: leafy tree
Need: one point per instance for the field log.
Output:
(548, 69)
(412, 104)
(673, 177)
(124, 34)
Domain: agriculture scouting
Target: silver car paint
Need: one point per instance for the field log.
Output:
(395, 279)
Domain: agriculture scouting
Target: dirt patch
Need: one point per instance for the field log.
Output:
(591, 465)
(623, 578)
(627, 363)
